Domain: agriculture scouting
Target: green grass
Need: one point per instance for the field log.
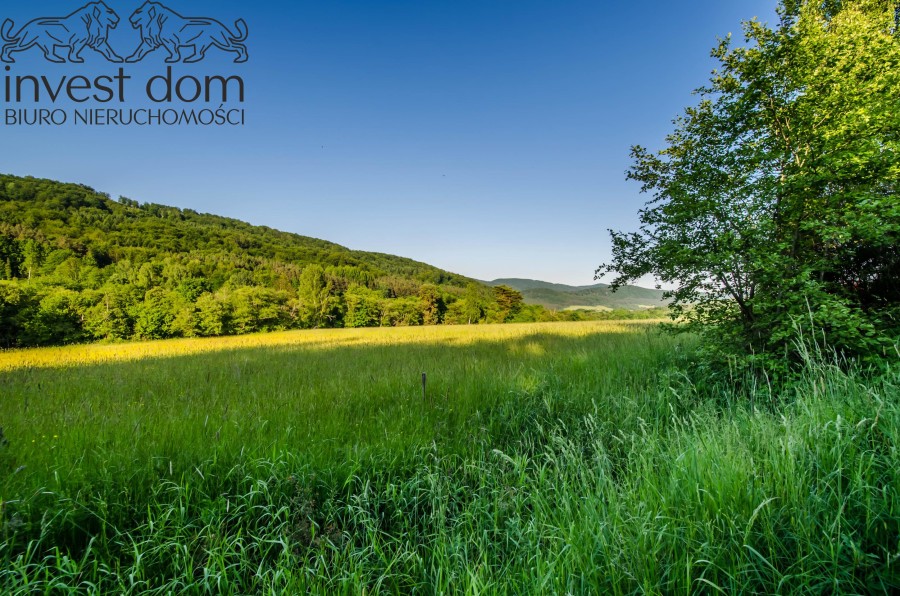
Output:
(544, 459)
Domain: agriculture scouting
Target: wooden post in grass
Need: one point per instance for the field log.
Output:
(424, 379)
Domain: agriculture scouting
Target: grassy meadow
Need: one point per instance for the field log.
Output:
(540, 458)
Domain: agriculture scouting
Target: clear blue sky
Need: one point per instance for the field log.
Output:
(487, 137)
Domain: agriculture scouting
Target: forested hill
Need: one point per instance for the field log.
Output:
(77, 266)
(77, 218)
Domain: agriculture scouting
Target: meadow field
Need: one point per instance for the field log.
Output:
(544, 458)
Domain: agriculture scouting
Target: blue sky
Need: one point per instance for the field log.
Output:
(486, 137)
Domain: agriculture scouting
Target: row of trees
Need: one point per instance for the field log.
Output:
(56, 296)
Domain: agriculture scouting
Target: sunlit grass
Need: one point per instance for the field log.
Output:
(542, 459)
(326, 393)
(77, 355)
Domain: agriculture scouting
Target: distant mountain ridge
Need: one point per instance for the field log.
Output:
(598, 296)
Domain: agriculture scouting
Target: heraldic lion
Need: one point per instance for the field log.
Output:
(87, 27)
(163, 27)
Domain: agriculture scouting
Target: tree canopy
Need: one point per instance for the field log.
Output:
(774, 201)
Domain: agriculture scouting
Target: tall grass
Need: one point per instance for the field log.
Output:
(548, 459)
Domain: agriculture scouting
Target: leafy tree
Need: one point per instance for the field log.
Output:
(187, 320)
(433, 305)
(509, 302)
(318, 305)
(89, 272)
(58, 320)
(34, 256)
(529, 313)
(474, 305)
(401, 312)
(456, 313)
(192, 288)
(213, 316)
(398, 287)
(89, 260)
(775, 199)
(69, 272)
(111, 316)
(149, 275)
(10, 256)
(17, 305)
(258, 309)
(154, 317)
(363, 307)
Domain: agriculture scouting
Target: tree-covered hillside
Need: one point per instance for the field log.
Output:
(77, 266)
(72, 216)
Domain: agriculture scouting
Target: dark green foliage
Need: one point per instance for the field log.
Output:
(433, 305)
(318, 305)
(154, 316)
(475, 305)
(775, 202)
(363, 307)
(509, 302)
(58, 319)
(16, 306)
(402, 312)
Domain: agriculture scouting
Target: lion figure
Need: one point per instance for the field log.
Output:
(87, 27)
(163, 27)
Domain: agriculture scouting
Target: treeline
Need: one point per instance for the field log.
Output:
(615, 314)
(76, 266)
